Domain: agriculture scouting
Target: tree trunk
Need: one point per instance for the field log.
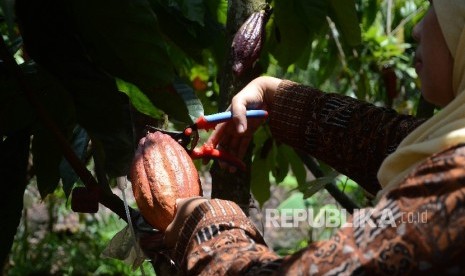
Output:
(225, 185)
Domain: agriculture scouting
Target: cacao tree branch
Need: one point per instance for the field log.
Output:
(331, 188)
(111, 201)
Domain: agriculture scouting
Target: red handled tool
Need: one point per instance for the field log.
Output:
(190, 137)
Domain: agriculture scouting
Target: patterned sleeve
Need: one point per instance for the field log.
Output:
(417, 228)
(352, 136)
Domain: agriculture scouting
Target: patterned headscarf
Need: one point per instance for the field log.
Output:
(445, 129)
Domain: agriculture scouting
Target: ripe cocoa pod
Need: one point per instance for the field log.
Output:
(162, 172)
(248, 41)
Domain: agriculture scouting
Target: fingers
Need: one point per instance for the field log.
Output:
(236, 136)
(184, 208)
(217, 134)
(239, 109)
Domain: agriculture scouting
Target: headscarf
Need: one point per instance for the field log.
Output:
(445, 129)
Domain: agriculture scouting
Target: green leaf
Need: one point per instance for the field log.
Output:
(79, 143)
(219, 8)
(138, 99)
(123, 37)
(291, 35)
(104, 112)
(344, 15)
(297, 166)
(363, 86)
(47, 155)
(189, 36)
(281, 164)
(295, 24)
(194, 105)
(370, 9)
(46, 158)
(259, 138)
(194, 10)
(314, 13)
(169, 100)
(328, 58)
(312, 187)
(260, 180)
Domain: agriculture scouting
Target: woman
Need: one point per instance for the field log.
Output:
(414, 166)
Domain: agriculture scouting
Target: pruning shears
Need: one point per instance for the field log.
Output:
(189, 137)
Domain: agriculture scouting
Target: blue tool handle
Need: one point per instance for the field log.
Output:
(227, 115)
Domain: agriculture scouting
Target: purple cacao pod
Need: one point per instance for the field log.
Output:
(248, 41)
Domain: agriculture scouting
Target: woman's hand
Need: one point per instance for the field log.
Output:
(235, 136)
(184, 208)
(152, 244)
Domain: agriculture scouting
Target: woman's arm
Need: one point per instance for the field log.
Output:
(418, 227)
(352, 136)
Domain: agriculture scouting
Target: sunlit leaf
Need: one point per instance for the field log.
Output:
(138, 99)
(218, 7)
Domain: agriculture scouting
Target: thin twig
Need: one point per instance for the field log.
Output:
(405, 20)
(335, 35)
(389, 17)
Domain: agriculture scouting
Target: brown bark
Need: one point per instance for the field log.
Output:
(236, 186)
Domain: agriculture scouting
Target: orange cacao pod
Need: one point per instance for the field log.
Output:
(162, 172)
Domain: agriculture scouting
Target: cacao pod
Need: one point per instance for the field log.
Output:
(162, 172)
(248, 41)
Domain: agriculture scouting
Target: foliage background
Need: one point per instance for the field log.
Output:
(102, 67)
